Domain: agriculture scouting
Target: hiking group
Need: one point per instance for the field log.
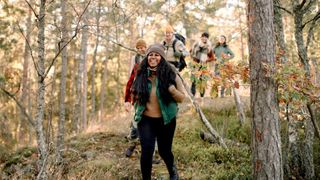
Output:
(154, 88)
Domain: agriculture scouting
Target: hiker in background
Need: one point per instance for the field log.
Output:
(223, 54)
(201, 54)
(141, 46)
(175, 49)
(156, 90)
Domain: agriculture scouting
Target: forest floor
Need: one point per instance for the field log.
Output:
(99, 153)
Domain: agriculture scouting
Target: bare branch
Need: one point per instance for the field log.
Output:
(313, 120)
(123, 46)
(34, 12)
(76, 30)
(307, 7)
(22, 108)
(310, 33)
(284, 9)
(29, 46)
(114, 42)
(315, 18)
(302, 4)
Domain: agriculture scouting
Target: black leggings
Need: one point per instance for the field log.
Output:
(150, 130)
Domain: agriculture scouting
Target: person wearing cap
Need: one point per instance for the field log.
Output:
(173, 53)
(201, 53)
(156, 90)
(141, 47)
(223, 54)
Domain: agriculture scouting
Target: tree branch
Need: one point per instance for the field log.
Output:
(34, 12)
(284, 9)
(315, 18)
(22, 108)
(76, 30)
(302, 4)
(307, 7)
(116, 43)
(29, 46)
(310, 33)
(203, 118)
(312, 117)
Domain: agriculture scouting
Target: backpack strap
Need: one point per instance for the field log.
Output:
(174, 45)
(136, 59)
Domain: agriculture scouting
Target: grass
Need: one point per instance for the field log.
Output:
(100, 155)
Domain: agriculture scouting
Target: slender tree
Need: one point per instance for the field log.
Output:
(62, 109)
(93, 67)
(266, 142)
(83, 70)
(25, 76)
(42, 145)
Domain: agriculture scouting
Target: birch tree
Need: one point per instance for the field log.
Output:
(64, 58)
(43, 151)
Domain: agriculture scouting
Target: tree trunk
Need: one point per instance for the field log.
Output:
(62, 110)
(266, 142)
(25, 79)
(307, 151)
(294, 158)
(83, 62)
(93, 69)
(279, 32)
(50, 111)
(307, 156)
(239, 106)
(103, 87)
(43, 152)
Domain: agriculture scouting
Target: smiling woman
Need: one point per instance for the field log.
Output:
(156, 90)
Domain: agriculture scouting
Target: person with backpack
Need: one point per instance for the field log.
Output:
(175, 49)
(201, 53)
(141, 47)
(156, 91)
(223, 54)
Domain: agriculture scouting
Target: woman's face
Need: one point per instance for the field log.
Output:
(222, 39)
(204, 39)
(153, 59)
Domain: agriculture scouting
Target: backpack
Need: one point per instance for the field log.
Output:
(137, 59)
(182, 62)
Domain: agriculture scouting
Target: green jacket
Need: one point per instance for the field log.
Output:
(168, 111)
(218, 53)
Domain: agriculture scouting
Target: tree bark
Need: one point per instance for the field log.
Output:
(239, 106)
(299, 10)
(43, 152)
(25, 78)
(83, 69)
(307, 151)
(93, 69)
(62, 109)
(266, 142)
(103, 87)
(279, 32)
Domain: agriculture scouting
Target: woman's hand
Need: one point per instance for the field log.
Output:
(127, 106)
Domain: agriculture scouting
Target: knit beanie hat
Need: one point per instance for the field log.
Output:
(141, 43)
(158, 48)
(205, 34)
(169, 29)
